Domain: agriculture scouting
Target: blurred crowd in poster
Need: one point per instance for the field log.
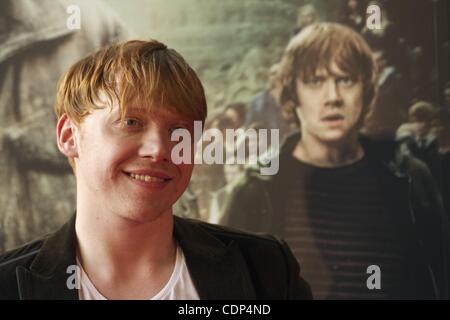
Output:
(235, 46)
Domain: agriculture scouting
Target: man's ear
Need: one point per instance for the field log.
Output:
(65, 137)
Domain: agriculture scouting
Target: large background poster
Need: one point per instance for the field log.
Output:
(233, 45)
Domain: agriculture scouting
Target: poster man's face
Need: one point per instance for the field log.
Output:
(330, 105)
(126, 165)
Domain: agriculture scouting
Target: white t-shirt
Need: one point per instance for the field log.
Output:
(179, 287)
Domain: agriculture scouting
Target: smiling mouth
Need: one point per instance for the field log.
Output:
(147, 178)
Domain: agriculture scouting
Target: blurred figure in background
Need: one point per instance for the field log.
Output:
(353, 14)
(306, 16)
(417, 136)
(441, 129)
(447, 97)
(218, 198)
(265, 109)
(187, 205)
(208, 178)
(420, 118)
(390, 109)
(237, 113)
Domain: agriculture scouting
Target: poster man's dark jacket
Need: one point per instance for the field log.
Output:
(256, 204)
(223, 263)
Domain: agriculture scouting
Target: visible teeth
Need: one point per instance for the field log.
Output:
(146, 178)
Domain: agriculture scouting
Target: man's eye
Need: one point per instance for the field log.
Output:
(346, 81)
(316, 81)
(132, 123)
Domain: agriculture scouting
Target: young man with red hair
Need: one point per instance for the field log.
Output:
(117, 110)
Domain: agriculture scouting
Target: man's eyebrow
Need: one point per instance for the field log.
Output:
(181, 121)
(342, 74)
(313, 76)
(169, 118)
(136, 110)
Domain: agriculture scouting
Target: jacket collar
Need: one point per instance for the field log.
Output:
(47, 276)
(218, 269)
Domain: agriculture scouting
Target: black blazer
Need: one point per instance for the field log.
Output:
(223, 263)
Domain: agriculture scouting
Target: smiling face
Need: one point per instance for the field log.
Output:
(124, 166)
(330, 105)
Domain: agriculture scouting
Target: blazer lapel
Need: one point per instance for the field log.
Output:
(218, 270)
(33, 286)
(48, 275)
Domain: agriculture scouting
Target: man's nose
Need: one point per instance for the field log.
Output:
(333, 96)
(155, 145)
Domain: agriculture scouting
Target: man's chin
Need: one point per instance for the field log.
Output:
(337, 135)
(144, 215)
(332, 137)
